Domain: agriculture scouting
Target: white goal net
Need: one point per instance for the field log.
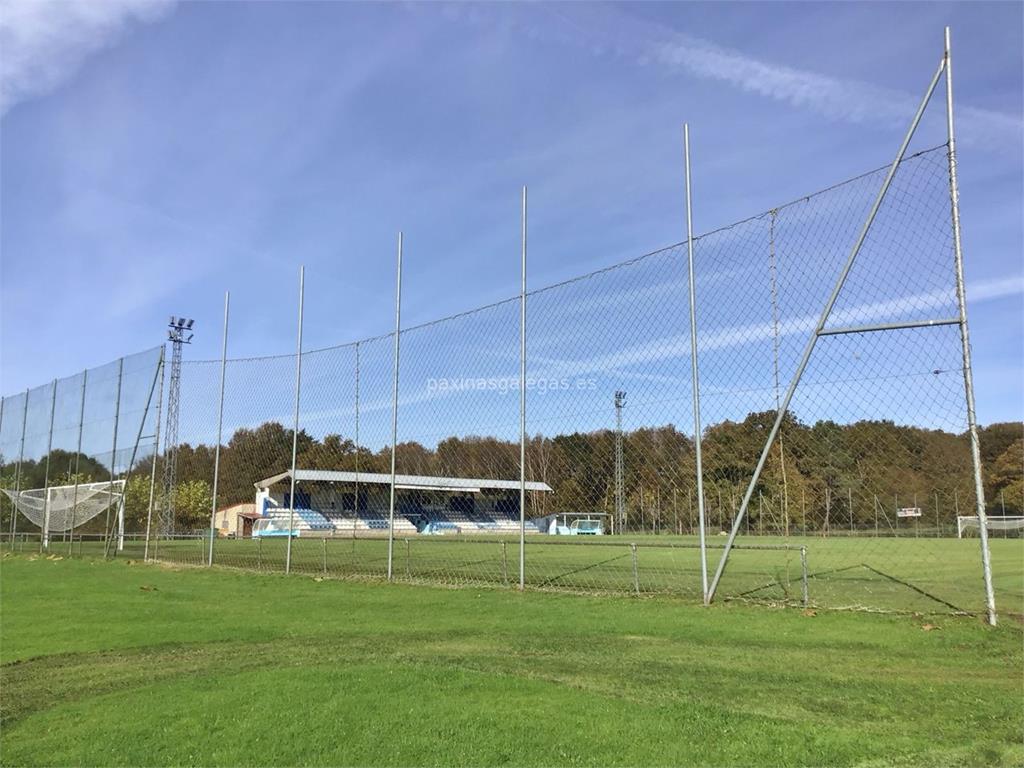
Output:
(969, 523)
(64, 507)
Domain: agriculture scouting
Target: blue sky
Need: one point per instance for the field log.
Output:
(157, 154)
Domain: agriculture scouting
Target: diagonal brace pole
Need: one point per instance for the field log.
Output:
(784, 406)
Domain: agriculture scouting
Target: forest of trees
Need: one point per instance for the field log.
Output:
(813, 472)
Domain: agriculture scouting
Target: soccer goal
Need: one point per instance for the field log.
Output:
(573, 524)
(969, 523)
(65, 507)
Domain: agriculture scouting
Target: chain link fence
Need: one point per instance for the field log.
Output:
(857, 505)
(81, 449)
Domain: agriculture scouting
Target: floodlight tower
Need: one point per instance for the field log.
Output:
(620, 499)
(179, 333)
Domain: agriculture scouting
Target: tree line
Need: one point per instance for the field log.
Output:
(819, 474)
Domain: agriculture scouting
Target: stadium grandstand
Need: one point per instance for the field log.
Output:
(330, 502)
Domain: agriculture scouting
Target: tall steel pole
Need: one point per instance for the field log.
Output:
(44, 541)
(78, 455)
(295, 423)
(819, 328)
(3, 402)
(17, 471)
(522, 399)
(220, 426)
(773, 270)
(695, 374)
(965, 343)
(355, 505)
(156, 455)
(108, 532)
(394, 407)
(130, 464)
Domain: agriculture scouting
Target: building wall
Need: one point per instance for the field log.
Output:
(227, 520)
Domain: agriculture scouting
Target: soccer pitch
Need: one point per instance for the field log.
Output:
(108, 663)
(901, 574)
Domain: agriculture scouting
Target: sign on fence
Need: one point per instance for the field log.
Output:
(908, 512)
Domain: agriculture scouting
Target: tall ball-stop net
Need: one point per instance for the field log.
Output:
(62, 508)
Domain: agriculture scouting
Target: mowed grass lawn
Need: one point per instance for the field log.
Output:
(904, 574)
(119, 663)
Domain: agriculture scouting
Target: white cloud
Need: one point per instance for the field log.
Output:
(44, 42)
(835, 98)
(606, 30)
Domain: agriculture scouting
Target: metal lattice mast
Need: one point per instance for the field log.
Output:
(620, 498)
(179, 334)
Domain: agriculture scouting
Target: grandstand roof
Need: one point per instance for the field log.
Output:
(412, 482)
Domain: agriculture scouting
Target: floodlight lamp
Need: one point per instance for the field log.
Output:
(189, 324)
(173, 320)
(181, 322)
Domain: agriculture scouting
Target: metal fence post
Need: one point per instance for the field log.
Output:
(522, 399)
(323, 541)
(803, 575)
(636, 569)
(156, 456)
(965, 342)
(695, 374)
(220, 426)
(803, 510)
(504, 562)
(408, 560)
(820, 327)
(295, 425)
(394, 408)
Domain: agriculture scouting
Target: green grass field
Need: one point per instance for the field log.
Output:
(923, 575)
(116, 662)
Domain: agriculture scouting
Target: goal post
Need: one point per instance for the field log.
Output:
(967, 523)
(63, 508)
